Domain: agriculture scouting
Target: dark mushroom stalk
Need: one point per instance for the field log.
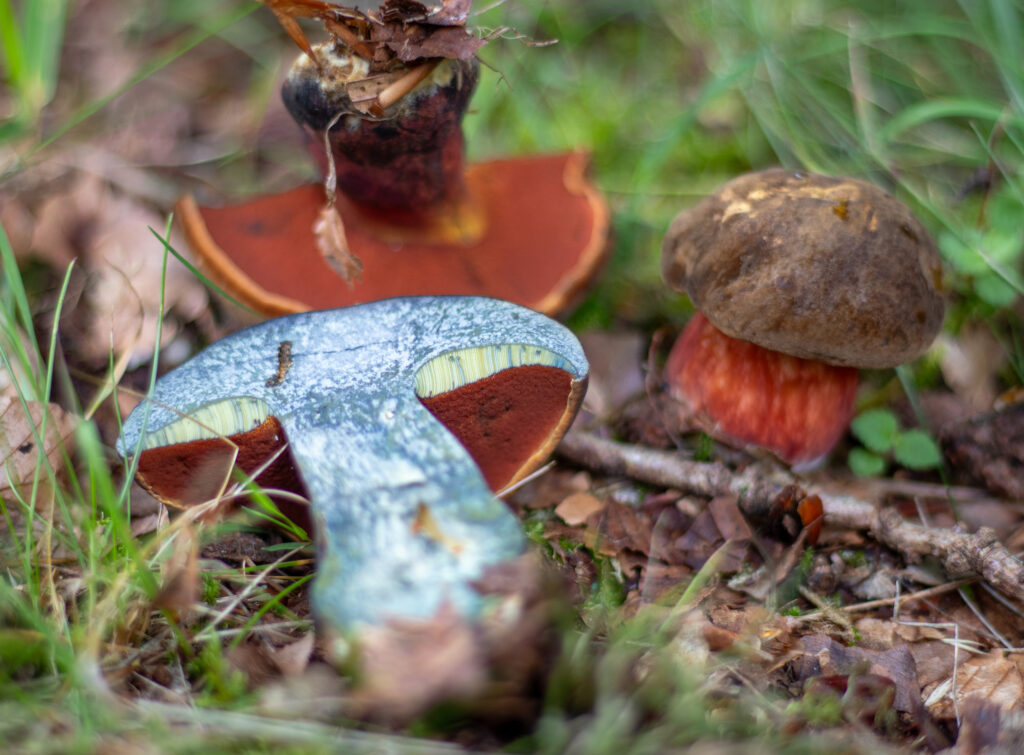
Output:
(399, 419)
(800, 280)
(414, 219)
(398, 159)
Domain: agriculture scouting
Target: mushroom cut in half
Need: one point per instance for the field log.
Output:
(398, 420)
(800, 280)
(382, 104)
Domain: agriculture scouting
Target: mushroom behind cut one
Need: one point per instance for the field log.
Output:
(815, 270)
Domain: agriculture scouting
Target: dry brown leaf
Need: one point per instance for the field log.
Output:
(706, 535)
(123, 261)
(443, 13)
(731, 523)
(333, 245)
(150, 523)
(19, 440)
(126, 262)
(410, 665)
(254, 659)
(616, 374)
(293, 659)
(995, 677)
(882, 634)
(412, 42)
(970, 363)
(180, 588)
(550, 489)
(820, 655)
(575, 509)
(17, 223)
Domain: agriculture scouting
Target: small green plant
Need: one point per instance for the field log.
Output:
(884, 440)
(988, 258)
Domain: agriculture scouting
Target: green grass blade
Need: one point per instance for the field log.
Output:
(11, 48)
(22, 314)
(947, 107)
(43, 26)
(199, 273)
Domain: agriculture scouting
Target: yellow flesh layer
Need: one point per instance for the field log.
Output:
(463, 366)
(216, 420)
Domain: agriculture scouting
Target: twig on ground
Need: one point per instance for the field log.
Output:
(871, 605)
(961, 553)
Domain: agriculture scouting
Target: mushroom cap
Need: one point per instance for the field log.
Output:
(539, 234)
(830, 269)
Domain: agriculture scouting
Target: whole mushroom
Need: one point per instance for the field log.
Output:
(382, 103)
(800, 280)
(397, 420)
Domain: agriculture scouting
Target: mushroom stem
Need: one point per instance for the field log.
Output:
(796, 408)
(398, 148)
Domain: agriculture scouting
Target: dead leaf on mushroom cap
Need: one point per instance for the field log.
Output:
(417, 41)
(436, 13)
(402, 30)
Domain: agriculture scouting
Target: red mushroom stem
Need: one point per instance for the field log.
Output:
(796, 408)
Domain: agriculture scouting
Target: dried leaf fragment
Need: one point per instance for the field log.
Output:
(994, 677)
(329, 230)
(416, 41)
(20, 434)
(575, 509)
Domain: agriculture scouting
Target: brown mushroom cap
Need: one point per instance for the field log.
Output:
(830, 269)
(537, 233)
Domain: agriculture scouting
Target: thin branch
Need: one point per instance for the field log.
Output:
(871, 605)
(979, 553)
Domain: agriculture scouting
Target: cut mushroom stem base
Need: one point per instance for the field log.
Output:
(796, 408)
(405, 159)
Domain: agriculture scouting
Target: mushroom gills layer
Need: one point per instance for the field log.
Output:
(192, 460)
(506, 404)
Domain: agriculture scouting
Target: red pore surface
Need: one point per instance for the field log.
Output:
(539, 235)
(505, 419)
(794, 407)
(186, 474)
